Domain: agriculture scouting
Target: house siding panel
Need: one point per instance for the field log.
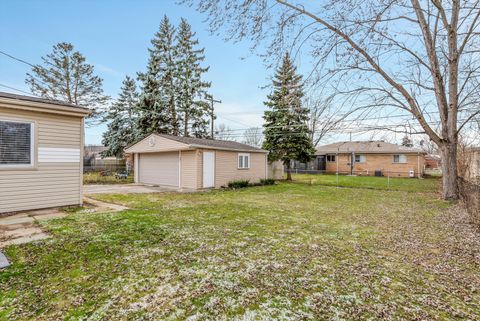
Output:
(51, 182)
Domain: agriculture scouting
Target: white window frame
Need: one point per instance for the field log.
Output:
(400, 158)
(330, 156)
(241, 164)
(362, 158)
(32, 145)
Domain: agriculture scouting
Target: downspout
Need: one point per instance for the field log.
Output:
(418, 165)
(352, 162)
(336, 157)
(266, 166)
(180, 169)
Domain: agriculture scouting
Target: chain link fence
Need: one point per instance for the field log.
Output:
(470, 196)
(406, 181)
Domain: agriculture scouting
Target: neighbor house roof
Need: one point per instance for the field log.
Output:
(366, 147)
(34, 103)
(192, 143)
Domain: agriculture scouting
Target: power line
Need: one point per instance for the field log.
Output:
(15, 58)
(16, 89)
(24, 62)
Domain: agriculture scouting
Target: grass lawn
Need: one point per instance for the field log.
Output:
(285, 252)
(397, 184)
(96, 178)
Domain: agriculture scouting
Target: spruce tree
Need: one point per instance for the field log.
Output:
(164, 50)
(121, 117)
(153, 114)
(193, 110)
(287, 136)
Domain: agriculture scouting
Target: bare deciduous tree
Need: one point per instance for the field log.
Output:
(414, 56)
(253, 137)
(428, 146)
(223, 132)
(465, 158)
(324, 118)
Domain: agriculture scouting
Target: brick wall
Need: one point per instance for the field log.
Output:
(383, 162)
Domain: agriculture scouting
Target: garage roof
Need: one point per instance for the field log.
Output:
(189, 143)
(213, 143)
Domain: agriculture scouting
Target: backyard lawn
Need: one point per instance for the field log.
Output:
(292, 251)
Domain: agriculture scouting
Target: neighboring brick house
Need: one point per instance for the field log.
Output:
(433, 161)
(372, 158)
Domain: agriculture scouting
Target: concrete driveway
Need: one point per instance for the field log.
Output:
(127, 189)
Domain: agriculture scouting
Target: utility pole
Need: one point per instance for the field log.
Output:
(212, 113)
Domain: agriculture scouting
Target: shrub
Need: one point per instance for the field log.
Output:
(267, 181)
(241, 183)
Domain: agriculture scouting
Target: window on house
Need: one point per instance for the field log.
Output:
(243, 161)
(399, 159)
(360, 158)
(330, 158)
(16, 143)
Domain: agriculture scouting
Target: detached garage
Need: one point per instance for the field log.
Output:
(41, 145)
(194, 163)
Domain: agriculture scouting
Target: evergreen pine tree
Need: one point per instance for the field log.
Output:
(406, 141)
(65, 75)
(193, 110)
(153, 115)
(121, 116)
(286, 131)
(164, 50)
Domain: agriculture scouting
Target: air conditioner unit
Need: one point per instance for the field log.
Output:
(411, 173)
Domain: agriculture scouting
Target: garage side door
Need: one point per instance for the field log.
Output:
(158, 168)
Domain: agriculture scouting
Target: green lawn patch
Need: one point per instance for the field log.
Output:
(284, 252)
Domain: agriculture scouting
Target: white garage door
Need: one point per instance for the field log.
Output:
(158, 168)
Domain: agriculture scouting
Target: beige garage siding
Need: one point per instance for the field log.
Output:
(226, 167)
(159, 168)
(200, 169)
(49, 184)
(189, 169)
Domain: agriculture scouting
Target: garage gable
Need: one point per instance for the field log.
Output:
(156, 143)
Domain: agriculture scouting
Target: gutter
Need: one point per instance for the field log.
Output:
(43, 107)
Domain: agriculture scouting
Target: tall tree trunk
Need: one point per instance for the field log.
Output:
(289, 174)
(449, 170)
(174, 117)
(185, 124)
